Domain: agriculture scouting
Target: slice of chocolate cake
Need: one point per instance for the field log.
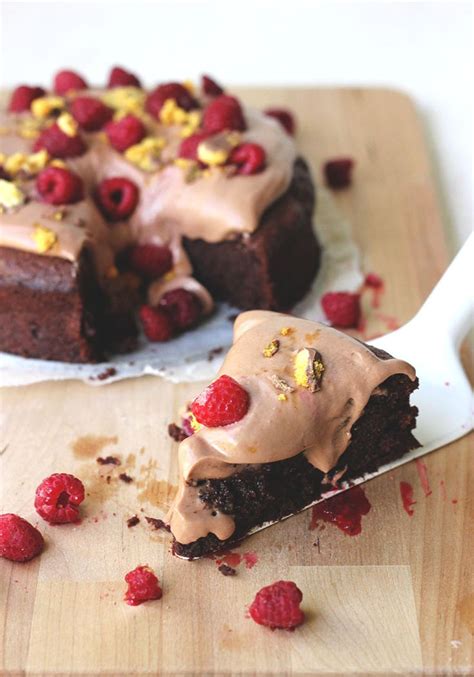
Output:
(297, 408)
(115, 198)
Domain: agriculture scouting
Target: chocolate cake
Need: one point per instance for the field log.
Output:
(297, 409)
(117, 197)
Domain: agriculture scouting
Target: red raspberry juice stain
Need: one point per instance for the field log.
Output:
(423, 475)
(375, 283)
(232, 559)
(406, 492)
(250, 559)
(344, 510)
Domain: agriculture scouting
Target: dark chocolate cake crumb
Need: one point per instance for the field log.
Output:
(176, 433)
(125, 478)
(156, 523)
(108, 460)
(111, 371)
(133, 521)
(226, 570)
(213, 352)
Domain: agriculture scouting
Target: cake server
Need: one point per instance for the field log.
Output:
(431, 341)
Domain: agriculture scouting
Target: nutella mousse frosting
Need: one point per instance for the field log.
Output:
(210, 204)
(307, 383)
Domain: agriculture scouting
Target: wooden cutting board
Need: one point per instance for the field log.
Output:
(394, 598)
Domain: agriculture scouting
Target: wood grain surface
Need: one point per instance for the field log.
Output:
(396, 598)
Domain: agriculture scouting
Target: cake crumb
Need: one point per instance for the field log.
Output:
(125, 478)
(176, 433)
(226, 570)
(156, 523)
(108, 460)
(133, 521)
(213, 352)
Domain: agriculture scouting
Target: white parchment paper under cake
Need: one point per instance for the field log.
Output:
(196, 355)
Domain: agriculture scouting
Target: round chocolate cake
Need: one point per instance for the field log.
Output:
(121, 202)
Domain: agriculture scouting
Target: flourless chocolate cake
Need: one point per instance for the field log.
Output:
(121, 198)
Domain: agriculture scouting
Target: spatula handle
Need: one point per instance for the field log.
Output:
(449, 309)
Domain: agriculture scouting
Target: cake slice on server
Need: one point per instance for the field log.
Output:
(296, 408)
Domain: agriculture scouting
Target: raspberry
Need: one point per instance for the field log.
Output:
(189, 146)
(19, 540)
(23, 96)
(58, 498)
(125, 132)
(170, 90)
(210, 86)
(58, 144)
(182, 306)
(156, 324)
(117, 198)
(224, 112)
(342, 308)
(151, 260)
(143, 586)
(91, 114)
(278, 606)
(59, 186)
(284, 117)
(338, 172)
(119, 77)
(67, 81)
(249, 158)
(221, 403)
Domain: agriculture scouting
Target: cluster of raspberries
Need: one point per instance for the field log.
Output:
(221, 113)
(57, 501)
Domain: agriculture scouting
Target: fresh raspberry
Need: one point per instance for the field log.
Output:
(224, 112)
(210, 86)
(119, 77)
(58, 498)
(249, 158)
(151, 260)
(125, 132)
(19, 540)
(182, 306)
(221, 403)
(278, 606)
(156, 323)
(58, 144)
(189, 146)
(59, 186)
(338, 172)
(342, 308)
(143, 586)
(23, 96)
(170, 90)
(91, 114)
(284, 117)
(67, 81)
(117, 198)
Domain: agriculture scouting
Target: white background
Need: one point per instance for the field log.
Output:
(423, 48)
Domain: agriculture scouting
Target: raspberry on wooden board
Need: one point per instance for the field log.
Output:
(20, 541)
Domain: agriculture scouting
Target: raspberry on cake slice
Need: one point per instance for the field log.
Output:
(296, 408)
